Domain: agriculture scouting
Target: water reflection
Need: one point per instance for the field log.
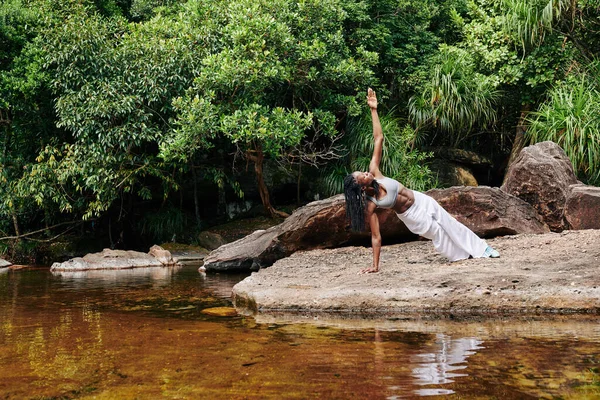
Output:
(131, 275)
(141, 334)
(439, 365)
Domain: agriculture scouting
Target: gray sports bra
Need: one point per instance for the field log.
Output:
(392, 188)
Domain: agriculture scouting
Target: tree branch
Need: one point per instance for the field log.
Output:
(25, 235)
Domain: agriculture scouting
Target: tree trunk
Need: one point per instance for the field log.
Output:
(196, 202)
(298, 184)
(519, 141)
(258, 159)
(15, 223)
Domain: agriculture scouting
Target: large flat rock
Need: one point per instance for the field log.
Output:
(117, 259)
(536, 274)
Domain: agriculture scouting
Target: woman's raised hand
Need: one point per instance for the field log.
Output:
(371, 99)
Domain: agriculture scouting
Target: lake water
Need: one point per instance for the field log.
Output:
(151, 334)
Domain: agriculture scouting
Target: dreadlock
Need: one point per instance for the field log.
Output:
(355, 202)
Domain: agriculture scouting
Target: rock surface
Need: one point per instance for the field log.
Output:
(536, 274)
(542, 175)
(452, 174)
(489, 212)
(163, 256)
(117, 259)
(582, 209)
(4, 263)
(210, 240)
(320, 224)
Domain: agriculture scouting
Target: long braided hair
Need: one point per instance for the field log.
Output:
(356, 201)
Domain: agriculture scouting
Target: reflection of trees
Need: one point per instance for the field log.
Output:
(67, 354)
(438, 367)
(69, 350)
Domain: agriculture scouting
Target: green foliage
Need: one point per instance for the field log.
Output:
(275, 73)
(164, 225)
(528, 21)
(404, 34)
(114, 83)
(571, 118)
(400, 159)
(507, 57)
(457, 99)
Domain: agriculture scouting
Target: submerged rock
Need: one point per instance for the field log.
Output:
(118, 259)
(220, 311)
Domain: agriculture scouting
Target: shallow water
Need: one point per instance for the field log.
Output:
(163, 333)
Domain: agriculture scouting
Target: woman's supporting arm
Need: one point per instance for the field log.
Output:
(373, 220)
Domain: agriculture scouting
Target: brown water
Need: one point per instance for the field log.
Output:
(145, 334)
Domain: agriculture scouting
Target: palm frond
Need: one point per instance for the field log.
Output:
(571, 119)
(400, 159)
(529, 20)
(456, 99)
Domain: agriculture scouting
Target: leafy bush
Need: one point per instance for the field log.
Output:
(571, 118)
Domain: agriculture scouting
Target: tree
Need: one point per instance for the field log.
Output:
(458, 99)
(26, 115)
(485, 84)
(114, 83)
(276, 72)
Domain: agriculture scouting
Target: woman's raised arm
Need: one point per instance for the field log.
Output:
(377, 135)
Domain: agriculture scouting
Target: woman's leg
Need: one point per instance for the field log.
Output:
(449, 237)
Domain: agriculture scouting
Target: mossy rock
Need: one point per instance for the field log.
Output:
(179, 247)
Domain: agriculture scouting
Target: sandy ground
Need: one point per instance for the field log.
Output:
(536, 274)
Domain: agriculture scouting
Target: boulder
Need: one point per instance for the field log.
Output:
(210, 240)
(320, 224)
(162, 255)
(582, 209)
(452, 174)
(490, 212)
(4, 263)
(117, 259)
(461, 156)
(541, 175)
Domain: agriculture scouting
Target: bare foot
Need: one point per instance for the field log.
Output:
(368, 271)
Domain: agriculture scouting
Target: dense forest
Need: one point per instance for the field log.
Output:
(140, 121)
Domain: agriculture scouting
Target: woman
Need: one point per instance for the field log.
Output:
(422, 215)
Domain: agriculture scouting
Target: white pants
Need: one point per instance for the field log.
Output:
(451, 238)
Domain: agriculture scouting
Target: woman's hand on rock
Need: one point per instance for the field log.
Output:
(370, 270)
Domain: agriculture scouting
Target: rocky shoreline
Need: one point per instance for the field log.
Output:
(537, 274)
